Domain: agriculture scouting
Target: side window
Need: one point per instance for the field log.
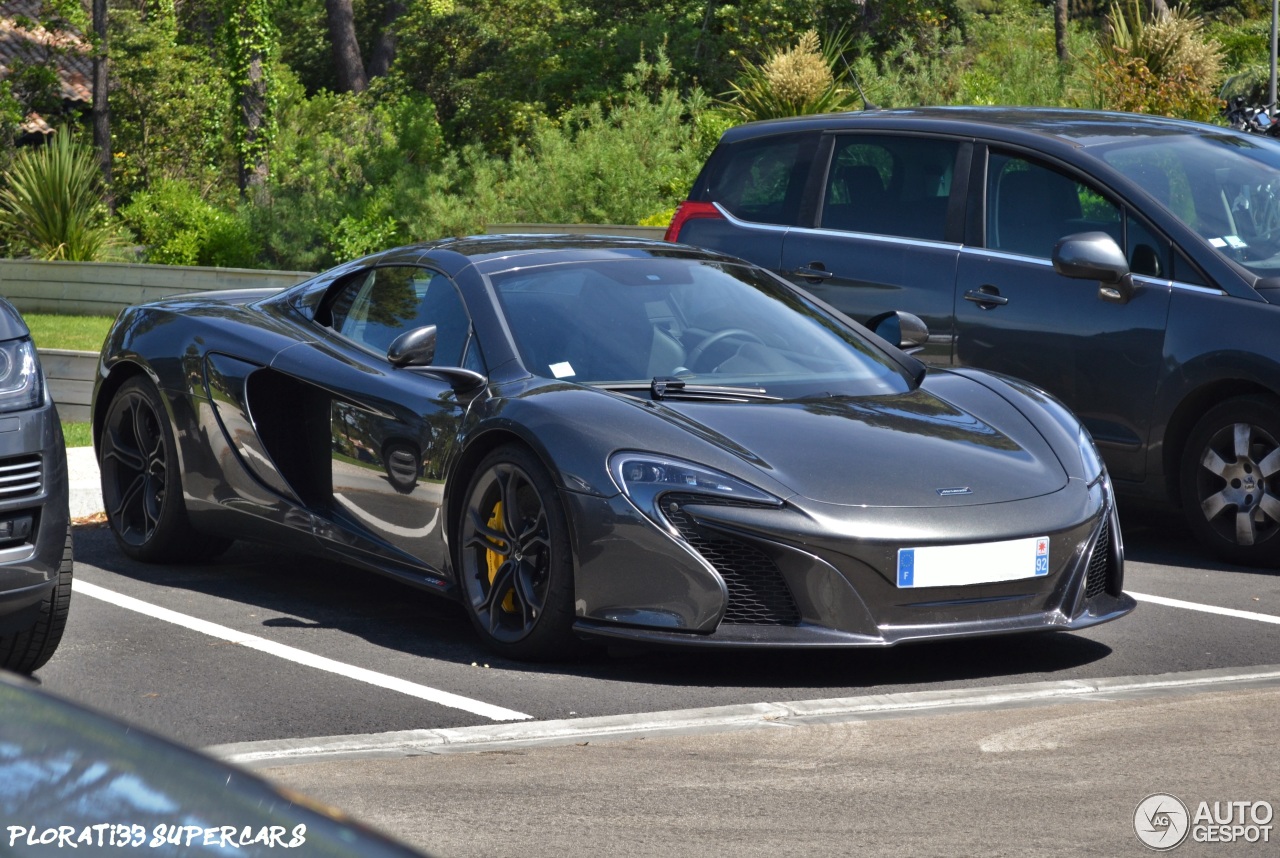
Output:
(889, 186)
(374, 307)
(763, 180)
(1148, 253)
(1030, 207)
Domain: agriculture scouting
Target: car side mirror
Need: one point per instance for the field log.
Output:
(1095, 256)
(416, 349)
(904, 330)
(413, 348)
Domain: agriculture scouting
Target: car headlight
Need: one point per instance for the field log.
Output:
(21, 382)
(645, 477)
(1094, 469)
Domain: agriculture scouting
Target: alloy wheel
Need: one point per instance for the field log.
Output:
(507, 550)
(1237, 486)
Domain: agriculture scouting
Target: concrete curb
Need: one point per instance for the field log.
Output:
(84, 482)
(490, 737)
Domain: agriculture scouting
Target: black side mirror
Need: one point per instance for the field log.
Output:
(904, 330)
(413, 348)
(1095, 256)
(416, 349)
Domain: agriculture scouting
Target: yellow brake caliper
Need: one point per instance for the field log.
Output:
(494, 560)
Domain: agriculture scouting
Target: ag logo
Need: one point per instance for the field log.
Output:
(1161, 821)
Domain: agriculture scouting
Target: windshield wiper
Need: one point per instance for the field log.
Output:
(665, 387)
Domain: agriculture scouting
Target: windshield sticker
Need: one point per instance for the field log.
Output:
(1217, 242)
(562, 370)
(1235, 241)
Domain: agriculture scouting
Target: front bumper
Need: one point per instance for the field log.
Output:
(33, 511)
(833, 571)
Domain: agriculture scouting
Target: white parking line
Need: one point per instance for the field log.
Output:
(360, 674)
(1208, 609)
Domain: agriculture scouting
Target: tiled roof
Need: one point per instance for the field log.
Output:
(75, 66)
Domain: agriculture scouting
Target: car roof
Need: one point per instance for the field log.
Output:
(1069, 126)
(496, 252)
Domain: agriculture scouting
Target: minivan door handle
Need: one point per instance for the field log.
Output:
(986, 297)
(815, 271)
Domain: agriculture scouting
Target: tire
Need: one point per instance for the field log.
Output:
(141, 482)
(28, 650)
(514, 562)
(1230, 481)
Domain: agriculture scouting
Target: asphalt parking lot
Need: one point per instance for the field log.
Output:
(381, 700)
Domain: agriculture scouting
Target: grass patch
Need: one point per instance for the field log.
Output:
(77, 434)
(78, 333)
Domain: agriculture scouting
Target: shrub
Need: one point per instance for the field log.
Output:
(791, 82)
(179, 227)
(51, 205)
(1162, 65)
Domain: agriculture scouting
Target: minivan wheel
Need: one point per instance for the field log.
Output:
(1230, 481)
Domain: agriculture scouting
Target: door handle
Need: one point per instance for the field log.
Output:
(986, 297)
(813, 271)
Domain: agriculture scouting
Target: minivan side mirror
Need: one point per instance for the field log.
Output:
(1095, 256)
(904, 330)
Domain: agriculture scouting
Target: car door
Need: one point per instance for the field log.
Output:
(1016, 315)
(390, 429)
(886, 233)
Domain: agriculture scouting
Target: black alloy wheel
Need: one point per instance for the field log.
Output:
(515, 564)
(1231, 481)
(141, 483)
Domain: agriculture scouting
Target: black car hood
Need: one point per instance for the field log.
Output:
(915, 449)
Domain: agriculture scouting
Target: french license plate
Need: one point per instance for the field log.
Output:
(979, 563)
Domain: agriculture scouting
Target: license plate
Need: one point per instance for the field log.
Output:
(979, 563)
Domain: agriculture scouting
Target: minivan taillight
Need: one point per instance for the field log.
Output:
(687, 211)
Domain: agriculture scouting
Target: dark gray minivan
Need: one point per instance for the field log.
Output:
(35, 526)
(1127, 264)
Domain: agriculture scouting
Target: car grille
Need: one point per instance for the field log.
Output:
(20, 477)
(758, 595)
(1099, 564)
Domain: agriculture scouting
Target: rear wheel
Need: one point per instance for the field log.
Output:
(1231, 481)
(27, 650)
(515, 564)
(141, 483)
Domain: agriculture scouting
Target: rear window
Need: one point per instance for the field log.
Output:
(763, 180)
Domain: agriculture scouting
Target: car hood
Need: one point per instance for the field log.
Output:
(950, 442)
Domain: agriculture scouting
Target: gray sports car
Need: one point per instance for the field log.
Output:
(607, 438)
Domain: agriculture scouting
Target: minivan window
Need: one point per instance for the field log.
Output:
(889, 185)
(763, 180)
(1030, 207)
(1225, 186)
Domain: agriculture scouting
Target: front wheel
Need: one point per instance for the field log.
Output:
(141, 483)
(1230, 481)
(515, 563)
(27, 650)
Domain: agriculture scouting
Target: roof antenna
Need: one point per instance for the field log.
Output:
(866, 105)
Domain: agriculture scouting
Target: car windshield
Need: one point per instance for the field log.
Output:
(702, 322)
(1223, 185)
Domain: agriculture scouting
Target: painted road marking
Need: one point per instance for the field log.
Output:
(1208, 609)
(319, 662)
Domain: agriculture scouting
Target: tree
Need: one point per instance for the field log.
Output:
(101, 110)
(252, 50)
(346, 48)
(1060, 16)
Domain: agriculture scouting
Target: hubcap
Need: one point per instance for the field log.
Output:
(1237, 493)
(506, 548)
(135, 467)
